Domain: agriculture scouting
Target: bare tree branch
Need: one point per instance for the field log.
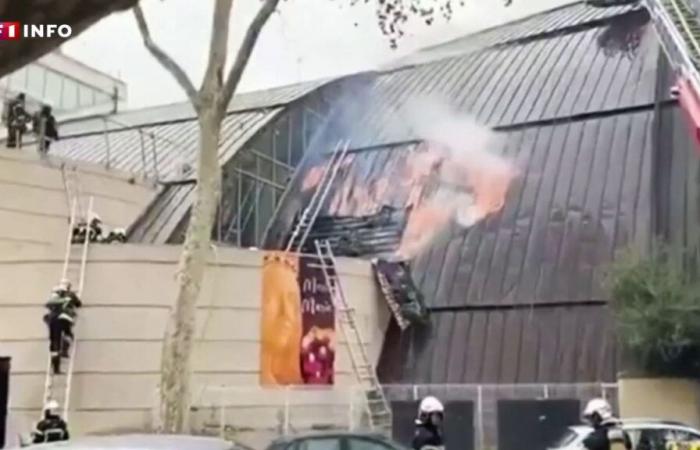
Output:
(251, 37)
(218, 46)
(164, 59)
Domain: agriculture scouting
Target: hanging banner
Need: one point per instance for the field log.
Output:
(281, 320)
(318, 343)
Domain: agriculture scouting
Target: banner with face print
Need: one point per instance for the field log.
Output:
(318, 343)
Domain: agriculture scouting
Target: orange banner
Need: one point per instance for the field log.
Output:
(280, 320)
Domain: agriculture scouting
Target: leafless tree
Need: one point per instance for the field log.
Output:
(210, 102)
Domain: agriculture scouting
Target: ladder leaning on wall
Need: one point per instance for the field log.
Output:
(308, 216)
(378, 408)
(57, 387)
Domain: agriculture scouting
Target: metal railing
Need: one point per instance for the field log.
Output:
(250, 413)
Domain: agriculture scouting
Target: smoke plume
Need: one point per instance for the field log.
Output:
(469, 179)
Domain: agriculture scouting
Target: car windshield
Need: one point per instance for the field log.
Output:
(568, 437)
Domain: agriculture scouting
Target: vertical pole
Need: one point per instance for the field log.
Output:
(239, 210)
(107, 145)
(144, 163)
(546, 391)
(285, 426)
(480, 415)
(222, 416)
(351, 409)
(154, 152)
(415, 392)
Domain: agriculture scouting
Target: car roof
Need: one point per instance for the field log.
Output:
(139, 442)
(330, 434)
(635, 423)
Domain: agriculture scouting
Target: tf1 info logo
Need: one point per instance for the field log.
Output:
(10, 31)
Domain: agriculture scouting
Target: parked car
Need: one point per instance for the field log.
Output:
(140, 442)
(646, 434)
(336, 441)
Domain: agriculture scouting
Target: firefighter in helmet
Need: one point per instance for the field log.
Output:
(607, 431)
(428, 434)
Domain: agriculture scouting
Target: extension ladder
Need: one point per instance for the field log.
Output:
(679, 33)
(58, 386)
(310, 213)
(378, 409)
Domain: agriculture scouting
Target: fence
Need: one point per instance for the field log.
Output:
(253, 415)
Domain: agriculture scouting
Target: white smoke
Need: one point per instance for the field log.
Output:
(470, 151)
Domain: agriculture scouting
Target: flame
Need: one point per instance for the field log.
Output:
(424, 223)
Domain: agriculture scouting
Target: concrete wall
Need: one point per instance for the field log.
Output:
(670, 399)
(127, 295)
(34, 210)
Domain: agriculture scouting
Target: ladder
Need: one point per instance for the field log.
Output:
(308, 216)
(378, 409)
(58, 386)
(72, 188)
(679, 33)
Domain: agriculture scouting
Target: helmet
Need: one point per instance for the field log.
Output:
(95, 218)
(65, 284)
(598, 407)
(430, 405)
(51, 405)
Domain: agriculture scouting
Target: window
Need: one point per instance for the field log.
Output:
(319, 444)
(36, 76)
(680, 435)
(86, 96)
(357, 443)
(653, 439)
(54, 87)
(70, 94)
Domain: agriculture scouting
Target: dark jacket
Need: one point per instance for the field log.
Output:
(606, 435)
(51, 429)
(427, 435)
(51, 129)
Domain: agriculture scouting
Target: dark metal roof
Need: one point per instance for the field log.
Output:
(550, 21)
(161, 219)
(170, 133)
(518, 297)
(560, 344)
(173, 144)
(578, 71)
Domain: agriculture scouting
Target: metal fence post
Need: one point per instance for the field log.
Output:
(222, 416)
(351, 409)
(107, 145)
(144, 163)
(415, 392)
(286, 411)
(480, 416)
(545, 390)
(154, 151)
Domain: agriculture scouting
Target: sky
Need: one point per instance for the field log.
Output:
(303, 40)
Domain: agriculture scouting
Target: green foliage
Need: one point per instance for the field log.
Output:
(658, 314)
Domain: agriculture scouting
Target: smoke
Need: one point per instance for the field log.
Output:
(470, 179)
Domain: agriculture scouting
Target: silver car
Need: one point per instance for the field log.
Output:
(645, 434)
(139, 442)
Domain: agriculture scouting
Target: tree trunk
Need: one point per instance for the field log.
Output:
(175, 370)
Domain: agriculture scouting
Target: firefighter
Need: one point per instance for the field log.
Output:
(51, 428)
(428, 434)
(95, 229)
(62, 314)
(15, 118)
(607, 431)
(45, 128)
(117, 235)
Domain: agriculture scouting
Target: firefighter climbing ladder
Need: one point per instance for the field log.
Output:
(378, 409)
(58, 386)
(308, 216)
(679, 33)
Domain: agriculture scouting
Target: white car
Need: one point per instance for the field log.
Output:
(645, 434)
